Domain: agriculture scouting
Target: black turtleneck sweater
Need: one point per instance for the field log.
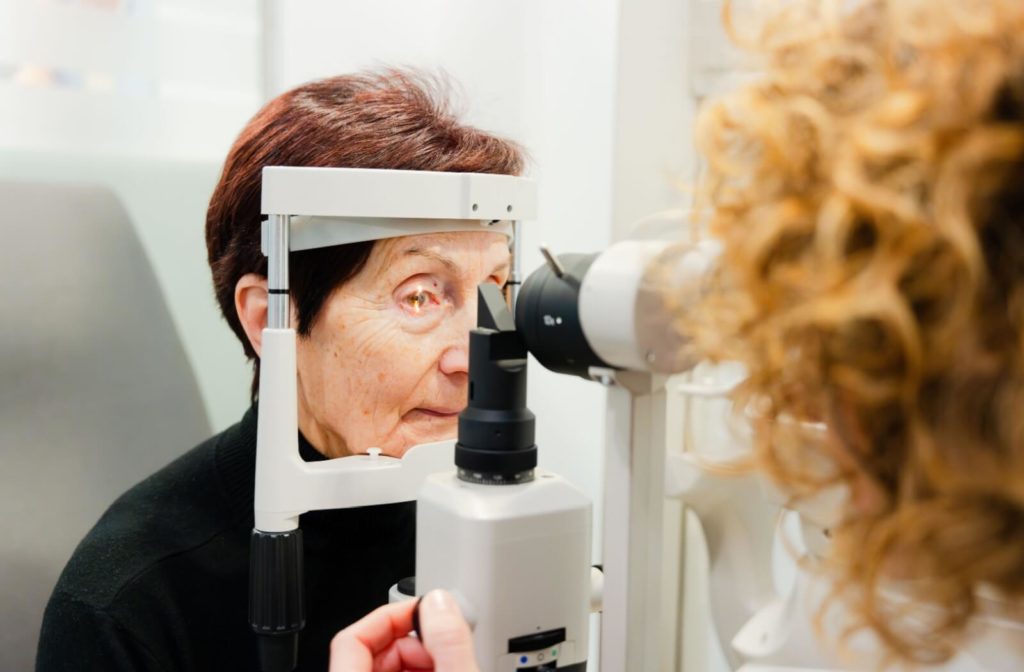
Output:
(161, 581)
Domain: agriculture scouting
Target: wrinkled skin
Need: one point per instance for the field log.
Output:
(386, 362)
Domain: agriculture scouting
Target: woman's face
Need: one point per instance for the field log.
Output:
(386, 362)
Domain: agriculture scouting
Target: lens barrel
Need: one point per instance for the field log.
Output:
(548, 317)
(496, 430)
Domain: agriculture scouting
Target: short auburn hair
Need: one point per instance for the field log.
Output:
(394, 119)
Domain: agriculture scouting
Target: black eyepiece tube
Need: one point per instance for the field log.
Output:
(496, 431)
(548, 317)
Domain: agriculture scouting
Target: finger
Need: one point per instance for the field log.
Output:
(403, 654)
(354, 647)
(348, 653)
(446, 636)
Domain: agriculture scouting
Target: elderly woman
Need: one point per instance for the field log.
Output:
(161, 582)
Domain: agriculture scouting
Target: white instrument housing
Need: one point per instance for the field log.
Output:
(519, 555)
(623, 302)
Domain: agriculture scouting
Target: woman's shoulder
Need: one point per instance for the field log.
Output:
(169, 516)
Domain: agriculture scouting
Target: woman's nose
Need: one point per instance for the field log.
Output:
(455, 358)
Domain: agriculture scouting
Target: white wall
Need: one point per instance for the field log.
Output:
(144, 98)
(156, 78)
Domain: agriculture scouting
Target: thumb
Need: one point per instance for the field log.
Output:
(445, 633)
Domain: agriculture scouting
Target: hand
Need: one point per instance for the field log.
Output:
(380, 643)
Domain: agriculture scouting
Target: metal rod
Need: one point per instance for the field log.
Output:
(278, 308)
(552, 261)
(634, 477)
(515, 279)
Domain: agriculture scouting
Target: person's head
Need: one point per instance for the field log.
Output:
(869, 189)
(382, 326)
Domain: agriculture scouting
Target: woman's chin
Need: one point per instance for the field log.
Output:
(419, 427)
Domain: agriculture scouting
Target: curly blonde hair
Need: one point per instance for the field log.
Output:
(869, 192)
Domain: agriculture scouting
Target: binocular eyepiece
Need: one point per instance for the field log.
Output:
(617, 309)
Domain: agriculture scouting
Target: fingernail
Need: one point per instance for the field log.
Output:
(416, 619)
(442, 601)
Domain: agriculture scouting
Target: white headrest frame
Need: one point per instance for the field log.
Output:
(308, 233)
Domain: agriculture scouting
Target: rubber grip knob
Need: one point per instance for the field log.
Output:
(277, 610)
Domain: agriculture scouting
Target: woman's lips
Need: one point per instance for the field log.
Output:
(439, 412)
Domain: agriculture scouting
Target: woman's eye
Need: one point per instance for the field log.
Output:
(417, 301)
(420, 301)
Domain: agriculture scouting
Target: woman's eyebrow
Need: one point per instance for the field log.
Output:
(447, 262)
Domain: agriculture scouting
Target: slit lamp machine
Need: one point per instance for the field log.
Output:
(512, 542)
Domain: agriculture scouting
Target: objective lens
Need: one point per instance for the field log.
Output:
(548, 319)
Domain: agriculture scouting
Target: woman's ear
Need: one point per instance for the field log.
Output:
(251, 305)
